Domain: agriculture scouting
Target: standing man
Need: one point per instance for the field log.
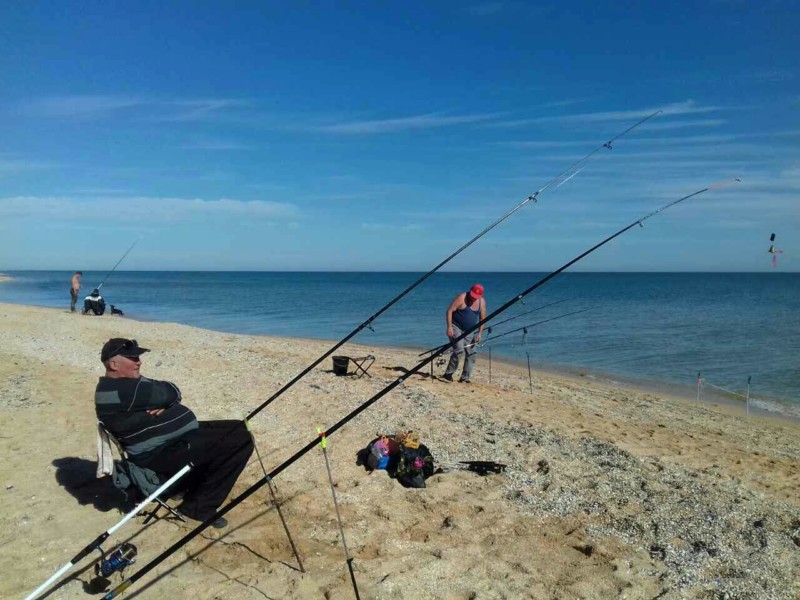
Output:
(464, 312)
(160, 433)
(73, 292)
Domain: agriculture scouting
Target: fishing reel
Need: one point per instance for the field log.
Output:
(115, 561)
(120, 558)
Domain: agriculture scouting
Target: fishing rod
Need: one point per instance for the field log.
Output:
(489, 329)
(526, 313)
(559, 179)
(368, 323)
(525, 328)
(98, 541)
(119, 261)
(534, 325)
(365, 405)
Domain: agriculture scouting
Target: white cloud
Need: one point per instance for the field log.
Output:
(382, 227)
(427, 121)
(140, 209)
(688, 107)
(12, 166)
(668, 125)
(215, 145)
(103, 106)
(78, 106)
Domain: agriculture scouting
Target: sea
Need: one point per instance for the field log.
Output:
(647, 328)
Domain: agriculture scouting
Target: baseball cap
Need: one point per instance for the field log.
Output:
(476, 291)
(121, 347)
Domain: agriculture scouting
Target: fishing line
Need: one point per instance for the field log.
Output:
(119, 261)
(365, 405)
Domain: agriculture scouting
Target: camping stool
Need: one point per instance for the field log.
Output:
(362, 363)
(139, 493)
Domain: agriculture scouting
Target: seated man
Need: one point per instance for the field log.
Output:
(159, 433)
(94, 302)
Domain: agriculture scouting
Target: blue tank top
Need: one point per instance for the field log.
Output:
(466, 317)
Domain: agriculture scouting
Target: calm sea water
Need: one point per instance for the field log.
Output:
(662, 327)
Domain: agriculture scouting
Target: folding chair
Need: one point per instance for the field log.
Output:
(141, 493)
(362, 363)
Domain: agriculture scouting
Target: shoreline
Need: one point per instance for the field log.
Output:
(576, 373)
(619, 491)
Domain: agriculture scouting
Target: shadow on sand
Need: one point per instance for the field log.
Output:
(77, 476)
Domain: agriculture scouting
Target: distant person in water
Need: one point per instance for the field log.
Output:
(73, 292)
(464, 312)
(94, 303)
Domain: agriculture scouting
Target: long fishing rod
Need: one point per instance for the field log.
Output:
(561, 178)
(98, 541)
(524, 328)
(119, 261)
(364, 406)
(535, 324)
(489, 329)
(368, 323)
(527, 312)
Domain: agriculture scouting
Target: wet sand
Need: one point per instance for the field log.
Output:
(610, 490)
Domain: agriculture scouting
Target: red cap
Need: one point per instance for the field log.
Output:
(476, 291)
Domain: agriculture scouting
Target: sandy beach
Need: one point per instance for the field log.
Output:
(610, 491)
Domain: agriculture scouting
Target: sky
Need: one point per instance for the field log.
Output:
(377, 136)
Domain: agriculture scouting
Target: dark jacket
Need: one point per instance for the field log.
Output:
(121, 404)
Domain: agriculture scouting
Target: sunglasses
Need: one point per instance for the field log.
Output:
(126, 345)
(135, 359)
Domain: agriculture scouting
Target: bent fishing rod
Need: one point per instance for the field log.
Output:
(562, 177)
(364, 406)
(525, 328)
(119, 261)
(489, 329)
(368, 323)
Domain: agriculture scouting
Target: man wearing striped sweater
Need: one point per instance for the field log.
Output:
(159, 433)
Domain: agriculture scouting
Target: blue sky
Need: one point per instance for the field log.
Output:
(382, 136)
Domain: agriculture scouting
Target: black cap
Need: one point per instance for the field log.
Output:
(121, 347)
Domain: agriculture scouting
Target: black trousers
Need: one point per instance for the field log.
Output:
(219, 450)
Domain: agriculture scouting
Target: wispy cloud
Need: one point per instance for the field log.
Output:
(78, 106)
(216, 145)
(382, 227)
(14, 166)
(485, 8)
(686, 139)
(200, 109)
(688, 107)
(685, 124)
(140, 209)
(427, 121)
(105, 106)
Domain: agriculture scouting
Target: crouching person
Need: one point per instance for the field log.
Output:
(94, 303)
(159, 433)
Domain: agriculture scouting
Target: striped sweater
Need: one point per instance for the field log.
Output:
(121, 404)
